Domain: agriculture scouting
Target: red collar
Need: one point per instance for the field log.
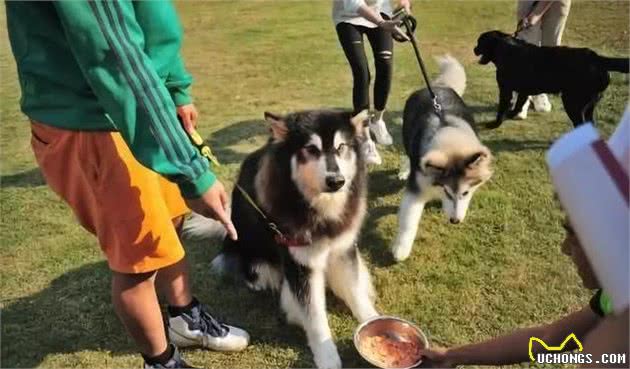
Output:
(292, 242)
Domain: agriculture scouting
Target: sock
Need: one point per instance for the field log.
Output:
(174, 311)
(162, 358)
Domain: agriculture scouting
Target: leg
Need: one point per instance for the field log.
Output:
(553, 22)
(303, 299)
(382, 47)
(519, 106)
(137, 306)
(405, 167)
(409, 214)
(349, 279)
(576, 106)
(174, 284)
(351, 40)
(505, 97)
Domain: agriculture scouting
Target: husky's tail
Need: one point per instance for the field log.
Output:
(621, 65)
(452, 74)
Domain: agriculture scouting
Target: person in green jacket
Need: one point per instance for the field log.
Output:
(103, 84)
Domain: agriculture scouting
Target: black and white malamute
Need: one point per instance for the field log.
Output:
(444, 158)
(310, 180)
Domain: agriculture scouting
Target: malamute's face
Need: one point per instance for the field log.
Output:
(324, 153)
(458, 178)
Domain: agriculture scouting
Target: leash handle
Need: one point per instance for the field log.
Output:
(204, 149)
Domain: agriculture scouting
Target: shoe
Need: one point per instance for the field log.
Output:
(541, 103)
(371, 154)
(381, 135)
(176, 361)
(197, 228)
(198, 328)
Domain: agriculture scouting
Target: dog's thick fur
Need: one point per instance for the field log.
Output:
(579, 74)
(444, 157)
(310, 180)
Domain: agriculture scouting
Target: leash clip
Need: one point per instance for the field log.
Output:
(436, 105)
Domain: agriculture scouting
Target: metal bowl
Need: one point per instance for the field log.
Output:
(394, 329)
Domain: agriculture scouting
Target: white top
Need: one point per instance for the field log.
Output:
(346, 11)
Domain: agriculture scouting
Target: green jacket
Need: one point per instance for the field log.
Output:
(95, 66)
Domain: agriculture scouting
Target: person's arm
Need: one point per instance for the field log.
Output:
(359, 7)
(513, 348)
(107, 43)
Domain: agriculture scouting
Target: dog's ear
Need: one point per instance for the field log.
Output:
(433, 163)
(479, 164)
(277, 125)
(360, 121)
(480, 157)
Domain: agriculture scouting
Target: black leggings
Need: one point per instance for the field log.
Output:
(351, 39)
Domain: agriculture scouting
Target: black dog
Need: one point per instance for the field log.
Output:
(579, 74)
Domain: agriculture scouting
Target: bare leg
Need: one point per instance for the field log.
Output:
(137, 306)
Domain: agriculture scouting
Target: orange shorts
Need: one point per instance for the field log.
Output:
(127, 206)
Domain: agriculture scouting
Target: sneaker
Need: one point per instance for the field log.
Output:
(541, 103)
(381, 135)
(175, 361)
(371, 154)
(197, 228)
(198, 328)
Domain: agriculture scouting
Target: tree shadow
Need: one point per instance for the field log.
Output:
(29, 178)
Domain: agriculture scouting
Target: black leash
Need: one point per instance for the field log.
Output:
(410, 24)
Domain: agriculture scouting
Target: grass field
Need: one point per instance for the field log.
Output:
(501, 269)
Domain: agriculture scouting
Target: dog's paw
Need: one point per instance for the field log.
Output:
(400, 250)
(326, 356)
(405, 168)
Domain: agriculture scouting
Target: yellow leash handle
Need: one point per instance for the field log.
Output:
(204, 149)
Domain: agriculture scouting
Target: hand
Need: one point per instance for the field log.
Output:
(406, 4)
(188, 114)
(213, 204)
(436, 357)
(392, 27)
(529, 21)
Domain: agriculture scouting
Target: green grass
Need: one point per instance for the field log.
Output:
(499, 270)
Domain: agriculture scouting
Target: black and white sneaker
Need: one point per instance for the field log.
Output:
(175, 361)
(196, 327)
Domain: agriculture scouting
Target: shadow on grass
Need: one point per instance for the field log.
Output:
(223, 140)
(510, 145)
(72, 314)
(30, 178)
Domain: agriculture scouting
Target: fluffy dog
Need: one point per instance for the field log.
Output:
(579, 74)
(310, 180)
(444, 158)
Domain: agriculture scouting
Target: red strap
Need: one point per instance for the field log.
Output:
(291, 242)
(614, 169)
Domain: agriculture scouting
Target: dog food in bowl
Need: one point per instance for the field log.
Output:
(390, 342)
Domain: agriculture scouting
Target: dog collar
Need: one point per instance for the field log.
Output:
(283, 240)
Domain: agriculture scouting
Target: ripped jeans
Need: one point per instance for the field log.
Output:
(351, 39)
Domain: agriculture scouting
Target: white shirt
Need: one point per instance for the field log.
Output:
(346, 11)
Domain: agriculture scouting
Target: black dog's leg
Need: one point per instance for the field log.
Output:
(589, 110)
(518, 106)
(505, 97)
(579, 107)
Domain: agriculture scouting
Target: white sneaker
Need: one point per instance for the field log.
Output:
(379, 130)
(371, 154)
(541, 103)
(197, 228)
(198, 328)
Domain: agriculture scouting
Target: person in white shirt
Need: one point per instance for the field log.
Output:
(353, 19)
(542, 24)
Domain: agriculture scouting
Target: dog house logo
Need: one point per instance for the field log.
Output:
(549, 356)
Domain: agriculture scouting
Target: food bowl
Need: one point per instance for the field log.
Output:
(389, 342)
